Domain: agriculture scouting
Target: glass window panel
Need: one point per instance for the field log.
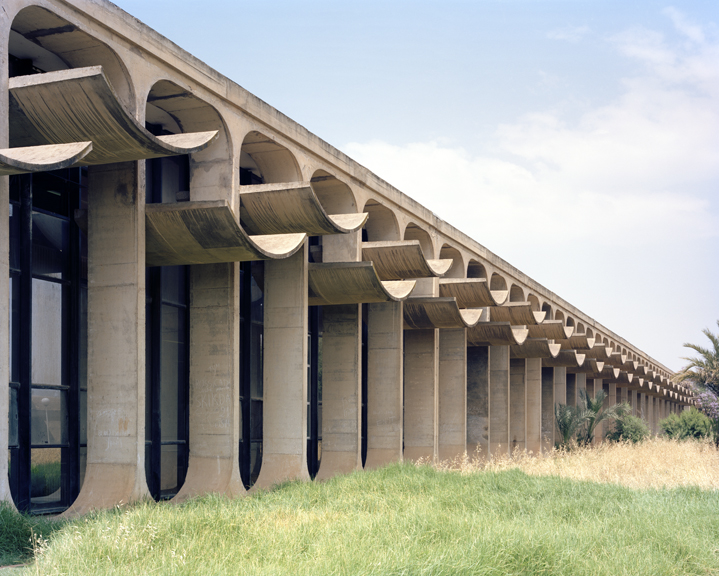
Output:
(49, 416)
(14, 320)
(14, 236)
(256, 334)
(255, 461)
(46, 332)
(168, 477)
(49, 245)
(46, 475)
(174, 367)
(83, 465)
(148, 369)
(13, 419)
(256, 420)
(82, 341)
(174, 284)
(83, 416)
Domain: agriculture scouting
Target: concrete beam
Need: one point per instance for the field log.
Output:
(499, 439)
(452, 440)
(518, 404)
(478, 408)
(534, 405)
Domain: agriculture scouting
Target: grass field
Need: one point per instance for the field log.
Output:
(408, 519)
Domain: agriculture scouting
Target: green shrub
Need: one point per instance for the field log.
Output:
(688, 424)
(628, 428)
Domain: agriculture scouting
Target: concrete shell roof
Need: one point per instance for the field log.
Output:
(429, 313)
(471, 292)
(577, 341)
(291, 207)
(42, 158)
(496, 334)
(566, 359)
(207, 232)
(352, 283)
(599, 352)
(552, 329)
(517, 314)
(79, 106)
(400, 259)
(534, 348)
(590, 366)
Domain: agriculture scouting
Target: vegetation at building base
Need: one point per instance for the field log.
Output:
(689, 424)
(408, 519)
(702, 375)
(577, 424)
(628, 428)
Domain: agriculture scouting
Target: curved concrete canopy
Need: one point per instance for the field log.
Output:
(551, 329)
(623, 378)
(80, 105)
(496, 334)
(42, 158)
(400, 259)
(535, 348)
(566, 359)
(429, 313)
(517, 314)
(577, 341)
(607, 373)
(471, 292)
(589, 367)
(207, 232)
(352, 283)
(291, 207)
(617, 359)
(599, 352)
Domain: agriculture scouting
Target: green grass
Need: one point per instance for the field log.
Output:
(404, 520)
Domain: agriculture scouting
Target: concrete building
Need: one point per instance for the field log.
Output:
(199, 295)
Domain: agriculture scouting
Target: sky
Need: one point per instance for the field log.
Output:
(576, 139)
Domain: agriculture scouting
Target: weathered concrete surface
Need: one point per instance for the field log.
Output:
(402, 259)
(496, 334)
(577, 341)
(291, 207)
(565, 359)
(560, 393)
(79, 106)
(551, 329)
(284, 449)
(207, 232)
(516, 313)
(534, 405)
(547, 409)
(471, 292)
(341, 390)
(452, 393)
(335, 283)
(478, 401)
(116, 340)
(214, 406)
(421, 393)
(499, 439)
(535, 348)
(42, 158)
(384, 384)
(430, 313)
(517, 404)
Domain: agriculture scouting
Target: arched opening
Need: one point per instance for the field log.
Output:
(497, 283)
(590, 333)
(476, 270)
(264, 161)
(335, 196)
(570, 321)
(49, 283)
(516, 294)
(547, 307)
(559, 315)
(534, 302)
(414, 232)
(450, 253)
(381, 224)
(581, 329)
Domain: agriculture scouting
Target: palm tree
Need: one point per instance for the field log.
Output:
(596, 413)
(569, 420)
(702, 372)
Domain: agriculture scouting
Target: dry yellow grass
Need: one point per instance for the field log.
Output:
(655, 463)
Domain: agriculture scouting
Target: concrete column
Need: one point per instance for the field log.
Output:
(214, 408)
(384, 384)
(581, 384)
(534, 405)
(499, 442)
(452, 393)
(621, 392)
(284, 448)
(611, 400)
(115, 471)
(518, 404)
(589, 386)
(341, 390)
(598, 385)
(478, 401)
(421, 398)
(571, 389)
(560, 393)
(632, 400)
(547, 409)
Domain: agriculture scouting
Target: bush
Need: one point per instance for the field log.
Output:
(629, 429)
(689, 424)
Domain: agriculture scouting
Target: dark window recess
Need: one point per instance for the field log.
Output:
(314, 390)
(21, 67)
(248, 177)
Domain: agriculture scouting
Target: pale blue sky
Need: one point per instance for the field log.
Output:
(577, 139)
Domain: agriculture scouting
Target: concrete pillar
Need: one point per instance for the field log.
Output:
(632, 401)
(547, 409)
(560, 393)
(598, 385)
(611, 400)
(621, 393)
(499, 441)
(534, 405)
(384, 384)
(421, 398)
(571, 389)
(581, 384)
(341, 390)
(478, 400)
(115, 471)
(452, 393)
(517, 404)
(213, 464)
(284, 447)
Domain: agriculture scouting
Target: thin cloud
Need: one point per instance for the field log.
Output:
(569, 33)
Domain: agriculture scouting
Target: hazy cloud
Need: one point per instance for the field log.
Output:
(569, 33)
